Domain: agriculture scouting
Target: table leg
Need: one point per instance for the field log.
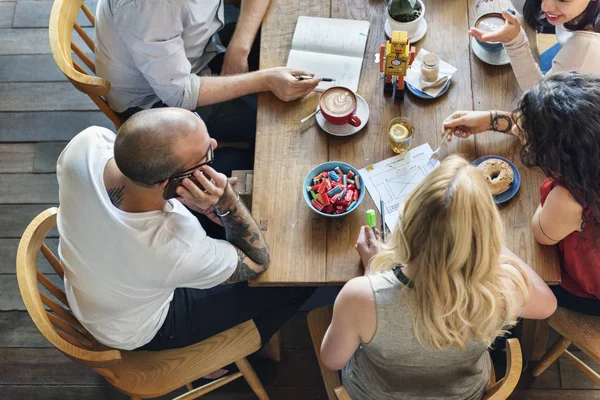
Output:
(534, 335)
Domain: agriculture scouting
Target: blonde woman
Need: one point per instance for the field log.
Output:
(434, 298)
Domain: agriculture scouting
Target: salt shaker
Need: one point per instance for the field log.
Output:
(430, 67)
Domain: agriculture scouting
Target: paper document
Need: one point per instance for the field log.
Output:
(394, 179)
(330, 48)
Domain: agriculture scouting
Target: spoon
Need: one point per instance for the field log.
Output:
(436, 154)
(440, 81)
(303, 120)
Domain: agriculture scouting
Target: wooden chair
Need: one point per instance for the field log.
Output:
(62, 23)
(140, 374)
(320, 318)
(583, 332)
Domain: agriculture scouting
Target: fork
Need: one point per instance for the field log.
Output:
(436, 154)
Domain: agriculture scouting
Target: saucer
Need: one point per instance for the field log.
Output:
(514, 186)
(422, 95)
(362, 111)
(489, 57)
(418, 35)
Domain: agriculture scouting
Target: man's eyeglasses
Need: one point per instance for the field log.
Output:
(188, 172)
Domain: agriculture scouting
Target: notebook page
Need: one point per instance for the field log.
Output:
(345, 70)
(330, 48)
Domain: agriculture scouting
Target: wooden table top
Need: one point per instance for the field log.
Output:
(310, 249)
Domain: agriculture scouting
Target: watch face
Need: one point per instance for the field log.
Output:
(396, 62)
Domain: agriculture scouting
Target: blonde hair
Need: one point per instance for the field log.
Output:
(451, 235)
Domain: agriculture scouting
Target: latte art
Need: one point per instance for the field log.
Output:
(491, 24)
(339, 102)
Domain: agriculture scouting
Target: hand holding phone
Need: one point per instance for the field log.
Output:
(171, 188)
(207, 189)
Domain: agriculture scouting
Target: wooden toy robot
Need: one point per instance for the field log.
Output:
(396, 56)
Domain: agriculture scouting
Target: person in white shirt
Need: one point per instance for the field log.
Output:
(580, 51)
(140, 270)
(158, 53)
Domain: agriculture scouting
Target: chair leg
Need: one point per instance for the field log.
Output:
(551, 355)
(252, 379)
(583, 367)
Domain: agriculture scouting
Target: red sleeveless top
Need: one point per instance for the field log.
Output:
(580, 259)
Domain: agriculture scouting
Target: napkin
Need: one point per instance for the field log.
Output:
(413, 75)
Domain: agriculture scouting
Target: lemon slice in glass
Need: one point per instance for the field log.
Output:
(398, 132)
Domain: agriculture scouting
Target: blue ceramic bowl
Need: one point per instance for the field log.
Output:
(490, 46)
(328, 166)
(514, 186)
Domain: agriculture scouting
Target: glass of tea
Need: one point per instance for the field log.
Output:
(400, 132)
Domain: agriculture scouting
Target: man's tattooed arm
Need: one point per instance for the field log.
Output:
(243, 271)
(243, 232)
(115, 194)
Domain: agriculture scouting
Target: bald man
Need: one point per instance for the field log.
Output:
(140, 270)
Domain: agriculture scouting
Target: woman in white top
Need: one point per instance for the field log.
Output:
(580, 52)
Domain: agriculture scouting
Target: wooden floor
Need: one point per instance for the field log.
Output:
(39, 112)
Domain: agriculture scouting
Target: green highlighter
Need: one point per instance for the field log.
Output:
(371, 219)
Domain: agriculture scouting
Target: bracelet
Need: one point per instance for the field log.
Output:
(220, 214)
(491, 128)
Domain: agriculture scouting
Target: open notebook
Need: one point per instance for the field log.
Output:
(330, 48)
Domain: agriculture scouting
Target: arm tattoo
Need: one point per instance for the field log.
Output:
(244, 232)
(116, 196)
(243, 272)
(495, 122)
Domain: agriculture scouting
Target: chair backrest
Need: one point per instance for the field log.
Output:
(514, 365)
(500, 390)
(57, 324)
(320, 318)
(62, 23)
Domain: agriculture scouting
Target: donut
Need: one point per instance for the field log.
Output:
(498, 174)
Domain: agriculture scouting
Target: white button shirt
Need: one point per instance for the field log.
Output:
(155, 50)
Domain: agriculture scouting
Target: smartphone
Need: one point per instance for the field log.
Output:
(171, 188)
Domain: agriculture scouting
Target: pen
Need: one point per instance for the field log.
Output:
(304, 77)
(371, 220)
(382, 206)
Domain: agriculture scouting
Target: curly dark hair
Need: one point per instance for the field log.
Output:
(532, 12)
(559, 119)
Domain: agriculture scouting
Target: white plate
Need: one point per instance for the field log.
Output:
(419, 34)
(362, 111)
(489, 57)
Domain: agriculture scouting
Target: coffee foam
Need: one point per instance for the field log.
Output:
(490, 24)
(338, 102)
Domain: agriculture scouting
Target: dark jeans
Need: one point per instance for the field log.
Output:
(575, 303)
(197, 314)
(233, 120)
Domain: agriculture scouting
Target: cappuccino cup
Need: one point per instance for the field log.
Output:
(338, 106)
(490, 22)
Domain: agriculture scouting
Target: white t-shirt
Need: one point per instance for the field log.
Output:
(121, 268)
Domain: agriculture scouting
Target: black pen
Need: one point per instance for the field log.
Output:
(304, 77)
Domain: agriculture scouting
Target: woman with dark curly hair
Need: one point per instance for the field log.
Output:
(578, 30)
(558, 122)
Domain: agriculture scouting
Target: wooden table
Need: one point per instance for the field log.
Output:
(310, 250)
